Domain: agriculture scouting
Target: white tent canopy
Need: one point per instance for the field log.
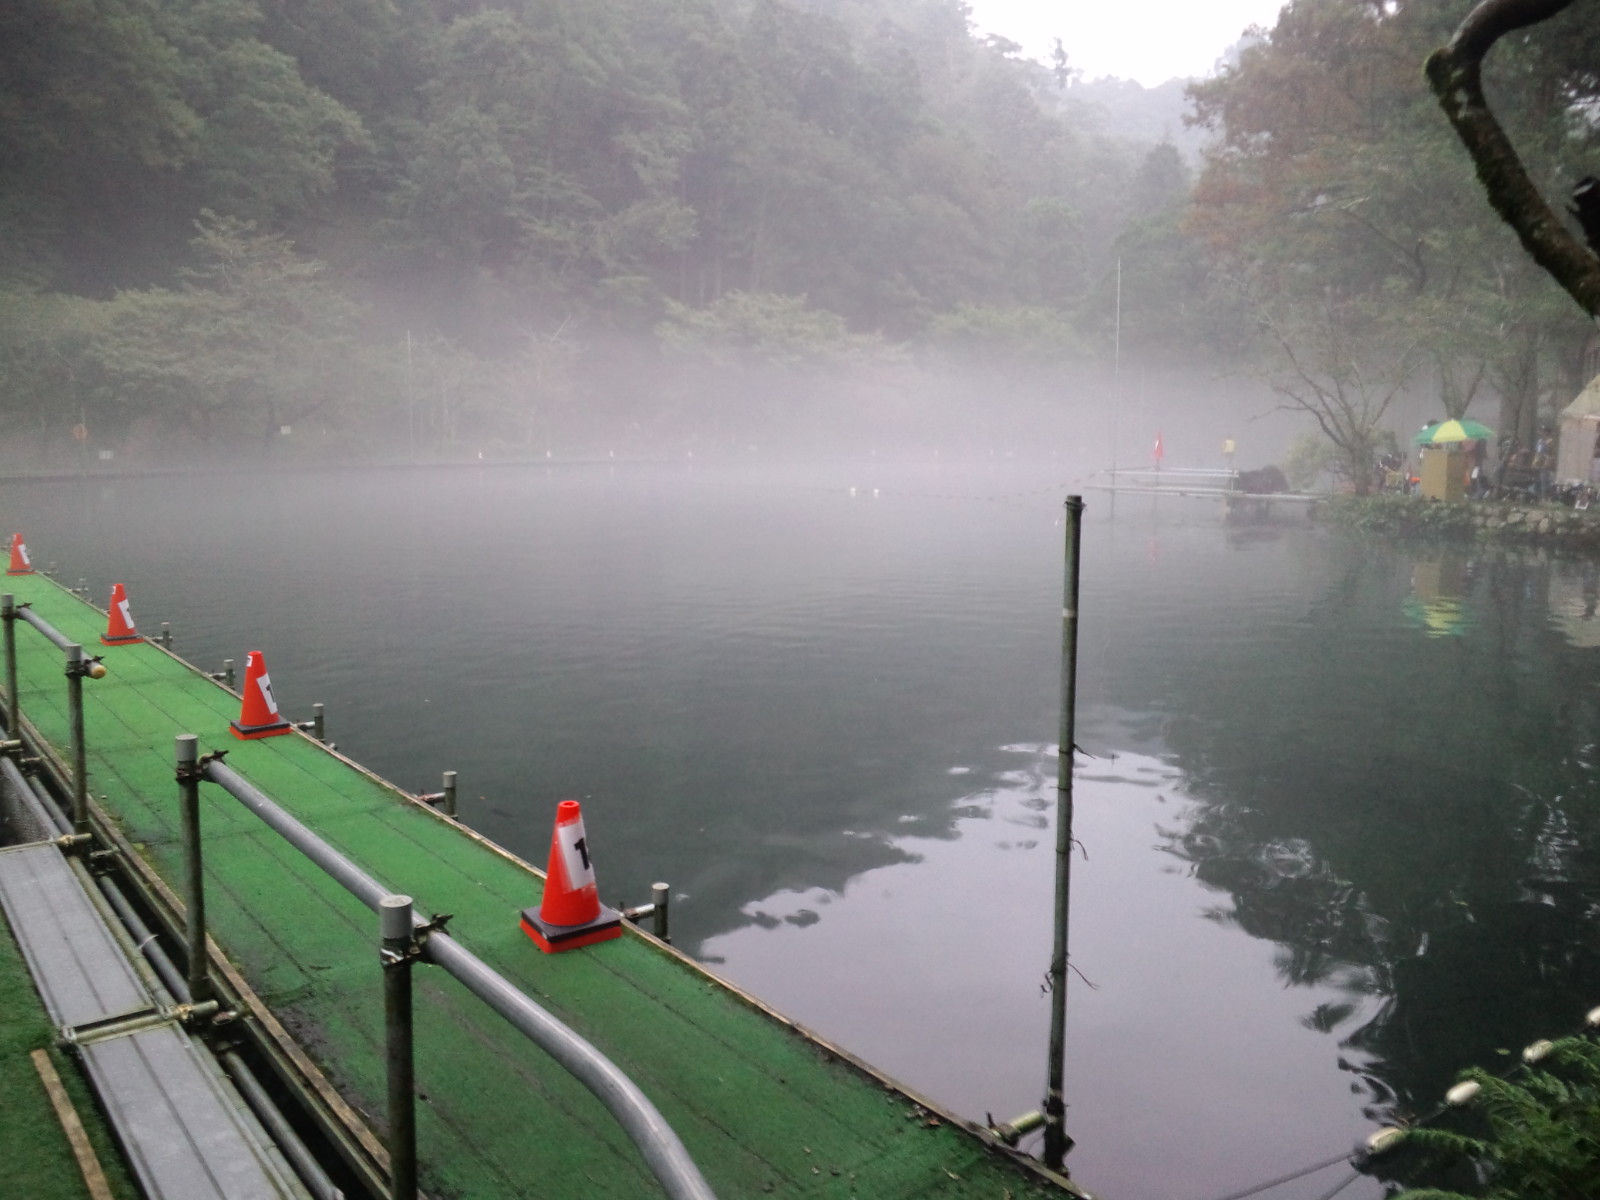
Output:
(1580, 426)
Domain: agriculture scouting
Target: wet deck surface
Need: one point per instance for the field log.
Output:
(762, 1109)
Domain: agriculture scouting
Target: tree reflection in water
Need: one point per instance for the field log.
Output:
(1413, 819)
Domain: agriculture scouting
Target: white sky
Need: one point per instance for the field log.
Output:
(1150, 41)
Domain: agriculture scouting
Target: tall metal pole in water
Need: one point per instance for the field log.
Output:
(1056, 1142)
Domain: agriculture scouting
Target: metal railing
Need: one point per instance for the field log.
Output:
(78, 666)
(405, 938)
(1183, 481)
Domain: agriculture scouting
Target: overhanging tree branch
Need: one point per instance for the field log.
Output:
(1454, 73)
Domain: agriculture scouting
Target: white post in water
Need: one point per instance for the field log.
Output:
(1116, 379)
(1056, 1142)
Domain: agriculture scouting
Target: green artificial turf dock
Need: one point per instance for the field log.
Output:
(762, 1109)
(38, 1159)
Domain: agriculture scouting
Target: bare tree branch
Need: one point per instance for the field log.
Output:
(1411, 257)
(1454, 73)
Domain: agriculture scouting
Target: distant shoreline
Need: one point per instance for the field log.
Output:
(1498, 521)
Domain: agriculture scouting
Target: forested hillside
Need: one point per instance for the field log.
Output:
(519, 226)
(454, 222)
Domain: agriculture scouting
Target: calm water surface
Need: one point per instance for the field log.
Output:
(1336, 826)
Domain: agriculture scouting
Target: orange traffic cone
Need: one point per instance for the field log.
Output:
(570, 915)
(258, 716)
(19, 557)
(119, 621)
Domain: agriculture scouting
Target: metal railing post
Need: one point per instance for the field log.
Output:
(78, 664)
(8, 616)
(77, 667)
(659, 893)
(398, 952)
(317, 727)
(188, 776)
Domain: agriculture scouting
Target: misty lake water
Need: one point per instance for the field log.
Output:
(1337, 823)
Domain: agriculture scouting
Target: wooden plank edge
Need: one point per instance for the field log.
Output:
(94, 1177)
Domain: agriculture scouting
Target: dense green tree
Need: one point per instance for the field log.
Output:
(93, 104)
(47, 379)
(1335, 182)
(121, 120)
(270, 143)
(251, 340)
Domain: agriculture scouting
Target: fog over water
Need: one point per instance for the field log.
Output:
(1329, 788)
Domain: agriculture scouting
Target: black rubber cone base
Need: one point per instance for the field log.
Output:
(553, 939)
(250, 732)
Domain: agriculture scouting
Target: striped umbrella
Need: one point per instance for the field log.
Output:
(1445, 432)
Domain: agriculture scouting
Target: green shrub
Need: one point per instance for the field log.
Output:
(1543, 1139)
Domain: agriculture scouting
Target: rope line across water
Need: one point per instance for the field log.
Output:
(1291, 1177)
(1591, 1024)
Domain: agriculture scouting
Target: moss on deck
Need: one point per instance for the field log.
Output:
(762, 1109)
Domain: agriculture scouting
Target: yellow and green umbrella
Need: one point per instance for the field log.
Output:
(1444, 432)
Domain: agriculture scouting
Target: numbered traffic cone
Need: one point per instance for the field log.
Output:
(119, 621)
(570, 915)
(258, 716)
(19, 557)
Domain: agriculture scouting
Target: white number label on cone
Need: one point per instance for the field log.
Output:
(127, 616)
(575, 855)
(265, 684)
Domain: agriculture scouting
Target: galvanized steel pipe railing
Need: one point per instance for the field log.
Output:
(397, 928)
(8, 618)
(662, 1149)
(78, 666)
(188, 776)
(51, 633)
(27, 797)
(271, 1116)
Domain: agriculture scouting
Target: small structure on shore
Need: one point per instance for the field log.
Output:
(1580, 427)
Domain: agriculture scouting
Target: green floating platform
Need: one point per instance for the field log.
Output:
(763, 1108)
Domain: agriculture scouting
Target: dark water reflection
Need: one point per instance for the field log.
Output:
(1339, 825)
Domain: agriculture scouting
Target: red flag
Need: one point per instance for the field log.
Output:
(1159, 454)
